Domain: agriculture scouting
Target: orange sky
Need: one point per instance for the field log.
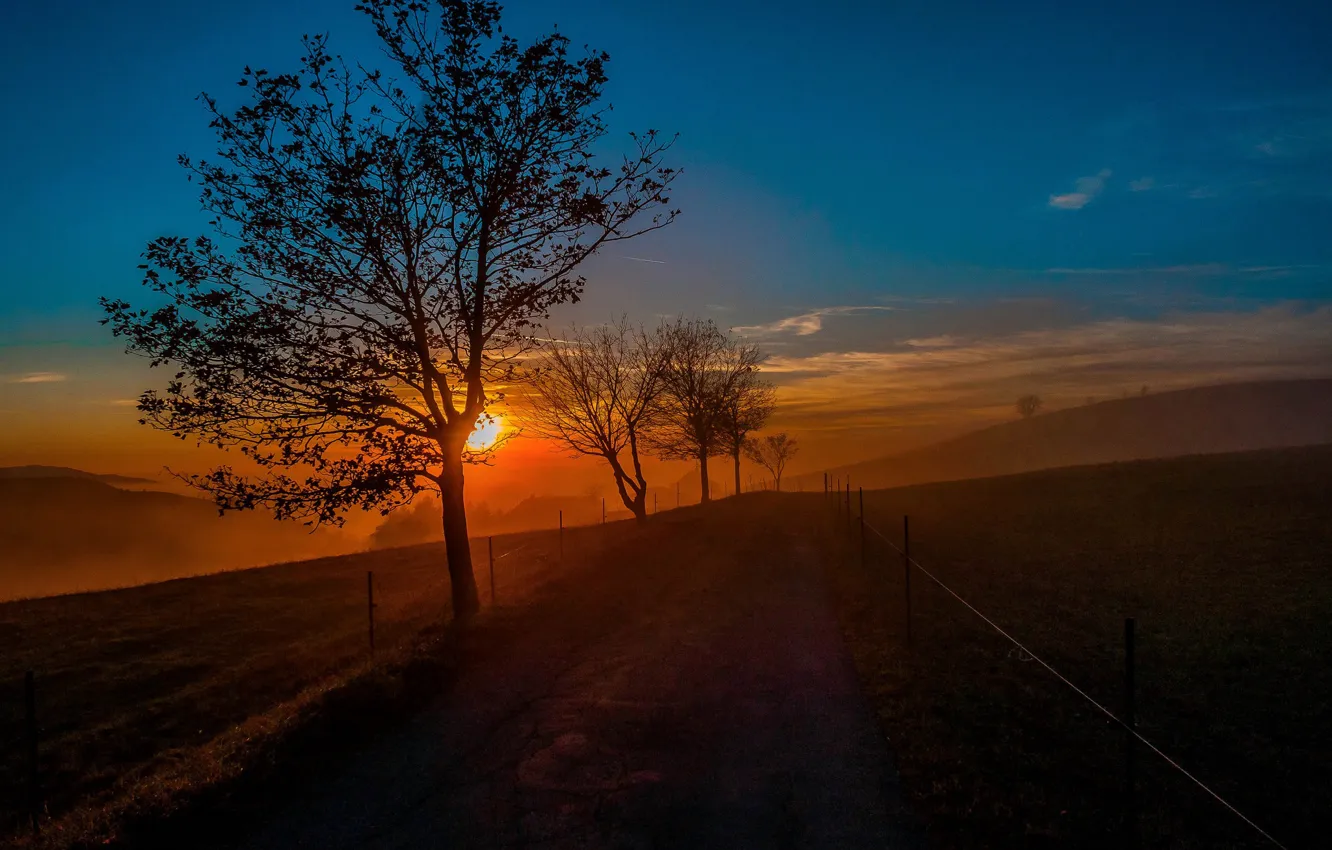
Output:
(846, 389)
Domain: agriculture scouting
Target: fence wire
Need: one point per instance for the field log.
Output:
(1061, 677)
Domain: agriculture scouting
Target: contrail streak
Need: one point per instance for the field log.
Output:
(643, 260)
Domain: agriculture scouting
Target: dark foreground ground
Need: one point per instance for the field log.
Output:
(1225, 561)
(694, 692)
(686, 684)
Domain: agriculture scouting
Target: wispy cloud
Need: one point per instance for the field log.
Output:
(1200, 269)
(1087, 188)
(1192, 269)
(806, 324)
(37, 378)
(946, 380)
(1142, 184)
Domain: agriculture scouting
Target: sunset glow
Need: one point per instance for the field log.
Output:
(489, 429)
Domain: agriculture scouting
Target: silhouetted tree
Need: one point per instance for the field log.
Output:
(597, 391)
(701, 372)
(382, 249)
(772, 452)
(1029, 405)
(747, 405)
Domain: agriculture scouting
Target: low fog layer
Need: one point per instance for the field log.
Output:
(64, 534)
(1205, 420)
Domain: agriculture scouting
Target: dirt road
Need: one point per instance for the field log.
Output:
(691, 690)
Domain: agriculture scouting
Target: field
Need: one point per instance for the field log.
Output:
(138, 688)
(1223, 561)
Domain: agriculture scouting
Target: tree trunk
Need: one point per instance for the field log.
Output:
(456, 543)
(703, 477)
(736, 455)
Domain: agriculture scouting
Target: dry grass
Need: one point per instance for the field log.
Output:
(1224, 562)
(149, 695)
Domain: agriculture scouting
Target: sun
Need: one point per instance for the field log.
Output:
(489, 428)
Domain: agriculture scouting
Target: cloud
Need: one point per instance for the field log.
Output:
(951, 382)
(1192, 269)
(38, 378)
(1087, 189)
(805, 324)
(1142, 184)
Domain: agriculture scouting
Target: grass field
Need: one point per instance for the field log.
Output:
(140, 687)
(1226, 563)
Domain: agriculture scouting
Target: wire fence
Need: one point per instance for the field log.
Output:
(96, 689)
(840, 494)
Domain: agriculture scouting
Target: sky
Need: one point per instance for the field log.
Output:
(920, 209)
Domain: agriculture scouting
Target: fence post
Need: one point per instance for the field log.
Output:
(906, 572)
(677, 494)
(603, 510)
(561, 535)
(862, 527)
(1130, 750)
(490, 541)
(654, 503)
(30, 732)
(370, 606)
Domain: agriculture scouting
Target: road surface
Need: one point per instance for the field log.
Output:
(691, 690)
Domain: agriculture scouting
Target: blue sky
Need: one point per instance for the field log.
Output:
(955, 172)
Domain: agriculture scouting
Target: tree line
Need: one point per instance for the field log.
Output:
(685, 390)
(384, 247)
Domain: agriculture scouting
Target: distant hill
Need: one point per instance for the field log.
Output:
(61, 533)
(37, 471)
(1205, 420)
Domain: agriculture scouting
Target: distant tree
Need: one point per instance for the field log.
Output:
(772, 452)
(1143, 391)
(747, 405)
(597, 391)
(383, 247)
(702, 370)
(1029, 405)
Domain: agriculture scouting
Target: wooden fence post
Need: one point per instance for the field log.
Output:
(1130, 748)
(370, 606)
(906, 572)
(30, 732)
(603, 510)
(491, 543)
(862, 527)
(561, 534)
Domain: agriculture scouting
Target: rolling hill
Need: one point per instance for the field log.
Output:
(63, 533)
(1205, 420)
(38, 471)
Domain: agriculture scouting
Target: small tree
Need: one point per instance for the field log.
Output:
(383, 248)
(747, 405)
(1029, 405)
(772, 452)
(597, 391)
(701, 373)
